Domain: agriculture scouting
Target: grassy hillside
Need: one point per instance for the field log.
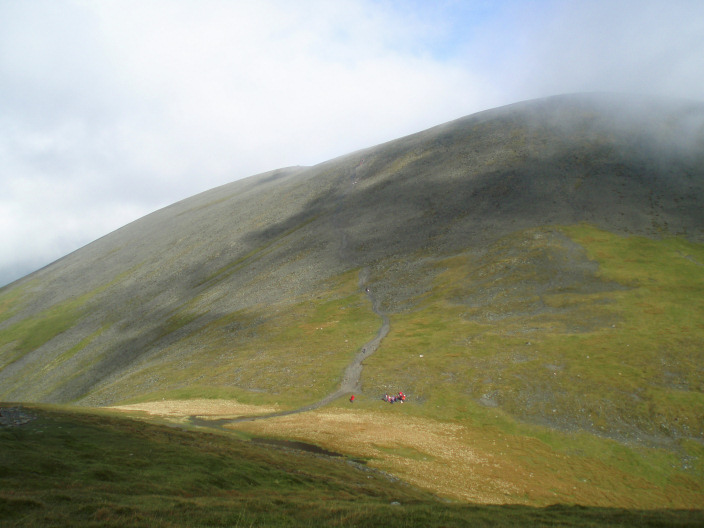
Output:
(234, 257)
(574, 328)
(67, 468)
(288, 355)
(564, 364)
(540, 267)
(525, 346)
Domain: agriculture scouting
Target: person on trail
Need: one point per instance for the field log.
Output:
(352, 399)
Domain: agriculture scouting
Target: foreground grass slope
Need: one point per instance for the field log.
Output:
(67, 468)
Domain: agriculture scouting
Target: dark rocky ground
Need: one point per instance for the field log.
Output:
(14, 416)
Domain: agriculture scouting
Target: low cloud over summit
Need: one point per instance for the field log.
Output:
(111, 110)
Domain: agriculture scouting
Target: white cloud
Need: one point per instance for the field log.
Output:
(111, 109)
(639, 46)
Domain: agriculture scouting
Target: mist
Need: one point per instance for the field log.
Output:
(111, 110)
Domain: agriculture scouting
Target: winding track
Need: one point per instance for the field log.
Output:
(352, 376)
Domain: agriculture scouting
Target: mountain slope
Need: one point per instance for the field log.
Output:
(228, 289)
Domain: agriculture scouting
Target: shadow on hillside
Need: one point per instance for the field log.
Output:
(447, 200)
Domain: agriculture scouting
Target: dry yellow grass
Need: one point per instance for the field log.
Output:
(473, 464)
(454, 460)
(202, 408)
(429, 454)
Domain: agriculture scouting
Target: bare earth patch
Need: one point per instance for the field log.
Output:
(202, 408)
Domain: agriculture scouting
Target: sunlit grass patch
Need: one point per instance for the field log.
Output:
(404, 452)
(600, 358)
(487, 460)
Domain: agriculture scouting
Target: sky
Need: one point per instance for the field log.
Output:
(112, 109)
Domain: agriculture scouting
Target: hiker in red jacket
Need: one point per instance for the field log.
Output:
(352, 399)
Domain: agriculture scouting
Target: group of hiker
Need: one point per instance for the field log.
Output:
(400, 398)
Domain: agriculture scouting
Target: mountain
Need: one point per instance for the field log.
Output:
(542, 259)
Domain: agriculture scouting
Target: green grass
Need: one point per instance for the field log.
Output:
(31, 333)
(620, 360)
(38, 376)
(67, 468)
(642, 353)
(599, 383)
(65, 356)
(177, 321)
(617, 385)
(290, 355)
